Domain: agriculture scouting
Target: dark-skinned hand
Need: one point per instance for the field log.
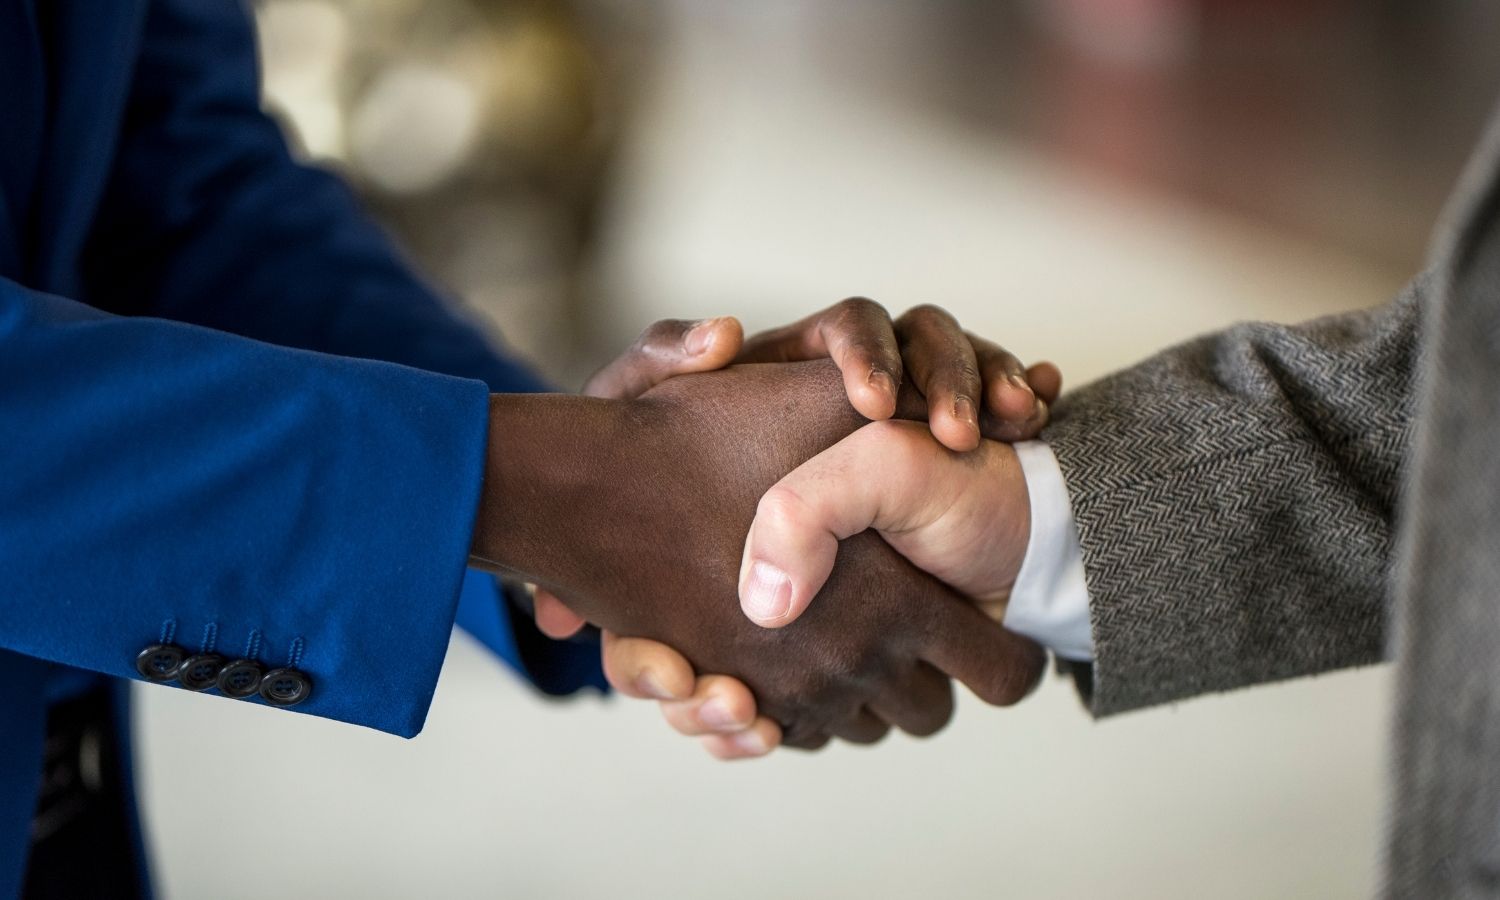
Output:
(635, 512)
(858, 334)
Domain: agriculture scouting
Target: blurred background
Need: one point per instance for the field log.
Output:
(1083, 180)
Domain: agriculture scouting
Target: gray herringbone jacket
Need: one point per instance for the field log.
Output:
(1275, 501)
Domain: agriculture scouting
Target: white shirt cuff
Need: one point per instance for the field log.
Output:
(1050, 602)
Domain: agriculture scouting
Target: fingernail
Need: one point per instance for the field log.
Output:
(963, 410)
(768, 593)
(1020, 382)
(647, 683)
(715, 713)
(699, 338)
(882, 381)
(749, 741)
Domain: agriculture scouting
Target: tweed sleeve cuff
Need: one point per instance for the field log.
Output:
(1050, 602)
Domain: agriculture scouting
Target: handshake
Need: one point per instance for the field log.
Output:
(721, 505)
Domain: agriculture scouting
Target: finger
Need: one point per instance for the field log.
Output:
(862, 341)
(757, 740)
(864, 727)
(876, 477)
(1010, 400)
(667, 349)
(1024, 430)
(1046, 380)
(922, 707)
(718, 705)
(941, 362)
(999, 666)
(1017, 401)
(811, 741)
(857, 333)
(553, 617)
(646, 669)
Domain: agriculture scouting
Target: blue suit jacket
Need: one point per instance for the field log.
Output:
(228, 411)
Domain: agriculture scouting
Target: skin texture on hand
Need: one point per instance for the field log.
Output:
(971, 385)
(964, 517)
(938, 358)
(719, 709)
(639, 526)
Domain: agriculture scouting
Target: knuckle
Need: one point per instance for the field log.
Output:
(809, 700)
(864, 323)
(859, 306)
(991, 363)
(964, 374)
(846, 666)
(781, 509)
(827, 677)
(929, 315)
(662, 333)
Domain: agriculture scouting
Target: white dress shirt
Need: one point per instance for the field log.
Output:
(1050, 602)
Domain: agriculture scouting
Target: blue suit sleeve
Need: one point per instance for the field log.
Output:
(208, 220)
(251, 499)
(554, 667)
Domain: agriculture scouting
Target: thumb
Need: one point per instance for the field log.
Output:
(874, 478)
(666, 349)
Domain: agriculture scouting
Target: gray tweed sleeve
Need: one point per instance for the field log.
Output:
(1235, 498)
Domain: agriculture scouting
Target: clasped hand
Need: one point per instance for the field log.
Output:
(636, 512)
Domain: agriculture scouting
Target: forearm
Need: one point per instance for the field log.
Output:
(171, 484)
(1234, 500)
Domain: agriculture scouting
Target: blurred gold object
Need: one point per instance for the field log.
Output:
(477, 129)
(411, 95)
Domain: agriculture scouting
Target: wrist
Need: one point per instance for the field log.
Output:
(1049, 602)
(543, 481)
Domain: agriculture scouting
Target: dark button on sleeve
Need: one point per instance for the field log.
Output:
(201, 672)
(285, 687)
(240, 679)
(159, 662)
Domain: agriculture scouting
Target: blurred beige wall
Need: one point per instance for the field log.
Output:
(758, 182)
